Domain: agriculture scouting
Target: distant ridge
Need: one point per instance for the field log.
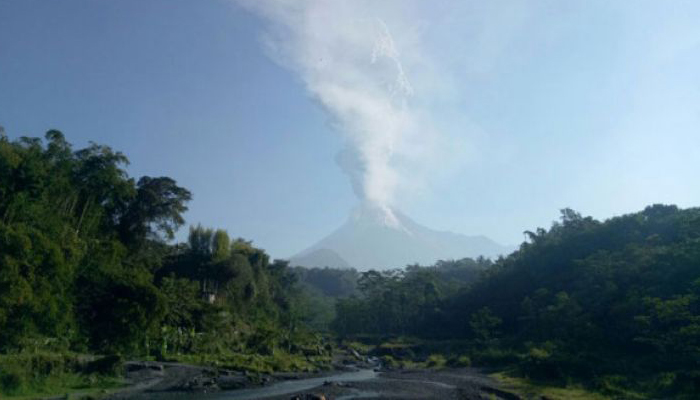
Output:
(320, 258)
(382, 238)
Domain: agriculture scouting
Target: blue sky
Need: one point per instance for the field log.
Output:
(524, 107)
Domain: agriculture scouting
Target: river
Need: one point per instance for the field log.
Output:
(278, 388)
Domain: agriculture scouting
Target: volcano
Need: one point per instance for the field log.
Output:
(381, 238)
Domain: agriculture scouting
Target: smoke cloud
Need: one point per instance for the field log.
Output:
(349, 62)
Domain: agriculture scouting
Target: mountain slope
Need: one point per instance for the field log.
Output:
(382, 238)
(320, 258)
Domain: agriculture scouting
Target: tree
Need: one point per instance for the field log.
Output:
(484, 325)
(156, 211)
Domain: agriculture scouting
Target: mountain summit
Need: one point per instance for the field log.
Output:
(376, 237)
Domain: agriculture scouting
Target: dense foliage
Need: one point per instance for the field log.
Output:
(74, 229)
(404, 301)
(616, 303)
(589, 298)
(86, 264)
(320, 289)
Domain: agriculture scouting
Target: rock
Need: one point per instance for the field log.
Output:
(138, 366)
(232, 382)
(491, 391)
(335, 384)
(141, 371)
(200, 384)
(107, 365)
(309, 396)
(355, 354)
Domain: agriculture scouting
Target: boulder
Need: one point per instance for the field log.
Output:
(309, 396)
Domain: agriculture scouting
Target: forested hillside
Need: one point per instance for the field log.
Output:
(86, 266)
(406, 301)
(613, 304)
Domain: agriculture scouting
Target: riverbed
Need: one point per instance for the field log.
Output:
(458, 384)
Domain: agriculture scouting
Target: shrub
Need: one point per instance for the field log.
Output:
(436, 361)
(389, 362)
(462, 361)
(11, 382)
(494, 357)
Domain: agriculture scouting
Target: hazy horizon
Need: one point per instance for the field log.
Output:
(475, 118)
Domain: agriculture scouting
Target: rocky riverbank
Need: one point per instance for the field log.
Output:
(152, 380)
(458, 384)
(149, 379)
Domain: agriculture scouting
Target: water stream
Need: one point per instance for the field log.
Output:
(278, 388)
(293, 386)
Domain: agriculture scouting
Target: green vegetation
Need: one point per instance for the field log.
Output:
(87, 267)
(404, 302)
(44, 373)
(320, 289)
(534, 391)
(611, 305)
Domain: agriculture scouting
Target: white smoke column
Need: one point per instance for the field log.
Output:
(349, 62)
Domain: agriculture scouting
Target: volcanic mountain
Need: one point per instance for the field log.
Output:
(376, 237)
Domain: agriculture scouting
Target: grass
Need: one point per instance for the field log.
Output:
(72, 386)
(34, 374)
(362, 348)
(278, 361)
(529, 389)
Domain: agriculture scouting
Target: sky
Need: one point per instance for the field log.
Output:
(281, 116)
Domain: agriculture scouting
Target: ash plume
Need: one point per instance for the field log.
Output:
(349, 62)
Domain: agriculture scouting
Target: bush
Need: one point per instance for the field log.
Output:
(396, 349)
(390, 362)
(32, 371)
(462, 361)
(11, 382)
(494, 357)
(436, 361)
